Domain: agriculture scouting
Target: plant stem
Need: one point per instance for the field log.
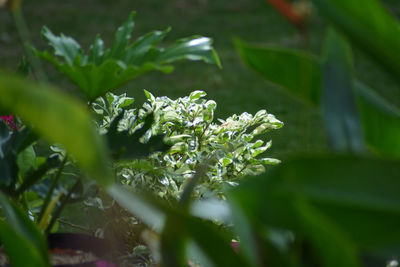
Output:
(61, 207)
(52, 187)
(23, 34)
(74, 225)
(200, 172)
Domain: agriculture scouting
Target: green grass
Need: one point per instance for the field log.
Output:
(235, 88)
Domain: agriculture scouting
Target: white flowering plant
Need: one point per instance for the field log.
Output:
(227, 149)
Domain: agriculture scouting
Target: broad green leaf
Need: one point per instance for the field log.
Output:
(192, 48)
(11, 144)
(136, 53)
(380, 120)
(96, 51)
(26, 159)
(20, 236)
(122, 37)
(64, 46)
(369, 25)
(58, 118)
(95, 81)
(339, 106)
(104, 70)
(356, 196)
(293, 70)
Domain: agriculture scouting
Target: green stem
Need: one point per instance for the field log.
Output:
(190, 186)
(52, 187)
(74, 225)
(61, 207)
(24, 36)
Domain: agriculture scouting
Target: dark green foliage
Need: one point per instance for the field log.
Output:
(124, 145)
(103, 70)
(11, 144)
(20, 236)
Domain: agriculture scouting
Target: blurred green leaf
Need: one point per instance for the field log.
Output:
(20, 236)
(296, 71)
(369, 25)
(339, 106)
(58, 118)
(154, 213)
(215, 246)
(353, 201)
(139, 205)
(102, 70)
(380, 120)
(333, 247)
(64, 46)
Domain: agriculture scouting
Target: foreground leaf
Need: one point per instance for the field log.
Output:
(20, 236)
(338, 193)
(179, 229)
(369, 25)
(58, 118)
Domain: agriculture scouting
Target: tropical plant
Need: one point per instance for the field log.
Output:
(102, 70)
(227, 149)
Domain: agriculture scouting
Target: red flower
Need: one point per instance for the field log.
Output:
(9, 120)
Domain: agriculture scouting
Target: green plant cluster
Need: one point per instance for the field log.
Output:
(228, 149)
(338, 209)
(102, 70)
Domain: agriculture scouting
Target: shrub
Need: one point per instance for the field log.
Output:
(227, 149)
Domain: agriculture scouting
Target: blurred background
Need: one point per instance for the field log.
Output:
(235, 88)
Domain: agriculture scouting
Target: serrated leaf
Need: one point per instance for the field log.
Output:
(96, 51)
(136, 53)
(64, 46)
(105, 70)
(122, 37)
